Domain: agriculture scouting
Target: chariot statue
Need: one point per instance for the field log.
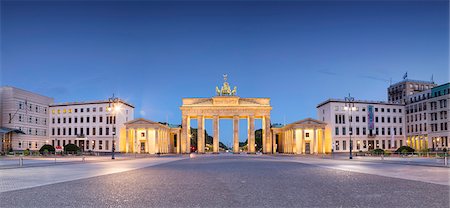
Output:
(225, 90)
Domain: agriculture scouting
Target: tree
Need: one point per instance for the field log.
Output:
(404, 149)
(71, 148)
(208, 139)
(47, 147)
(378, 151)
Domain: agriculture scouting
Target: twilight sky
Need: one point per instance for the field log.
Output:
(151, 53)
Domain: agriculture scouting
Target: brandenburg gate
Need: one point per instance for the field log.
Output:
(225, 105)
(307, 136)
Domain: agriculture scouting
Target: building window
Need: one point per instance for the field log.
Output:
(344, 145)
(100, 144)
(336, 131)
(337, 145)
(107, 145)
(107, 131)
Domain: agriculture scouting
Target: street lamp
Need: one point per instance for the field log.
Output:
(113, 108)
(350, 107)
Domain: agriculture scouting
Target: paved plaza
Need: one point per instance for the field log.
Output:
(226, 180)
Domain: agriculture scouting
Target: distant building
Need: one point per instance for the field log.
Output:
(399, 92)
(427, 118)
(89, 125)
(23, 119)
(374, 125)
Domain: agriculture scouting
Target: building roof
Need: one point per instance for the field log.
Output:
(26, 91)
(357, 101)
(5, 130)
(307, 122)
(88, 102)
(412, 80)
(142, 122)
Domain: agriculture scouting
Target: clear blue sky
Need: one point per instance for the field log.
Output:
(152, 54)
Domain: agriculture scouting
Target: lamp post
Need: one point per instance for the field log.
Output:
(113, 108)
(350, 107)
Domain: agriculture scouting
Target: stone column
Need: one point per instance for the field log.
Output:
(200, 135)
(135, 141)
(157, 143)
(268, 135)
(304, 141)
(236, 134)
(323, 141)
(288, 141)
(263, 134)
(188, 140)
(292, 141)
(251, 133)
(126, 140)
(184, 134)
(178, 142)
(314, 149)
(274, 142)
(216, 134)
(300, 142)
(147, 141)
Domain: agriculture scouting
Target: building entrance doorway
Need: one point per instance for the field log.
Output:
(81, 145)
(307, 148)
(142, 146)
(371, 144)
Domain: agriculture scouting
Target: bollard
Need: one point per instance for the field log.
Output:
(21, 161)
(446, 159)
(82, 159)
(382, 156)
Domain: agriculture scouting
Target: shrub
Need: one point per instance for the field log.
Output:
(444, 150)
(404, 149)
(378, 151)
(71, 148)
(26, 152)
(47, 147)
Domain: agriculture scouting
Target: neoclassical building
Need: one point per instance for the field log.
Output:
(303, 137)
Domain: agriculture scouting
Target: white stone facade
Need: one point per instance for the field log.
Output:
(89, 125)
(28, 112)
(388, 125)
